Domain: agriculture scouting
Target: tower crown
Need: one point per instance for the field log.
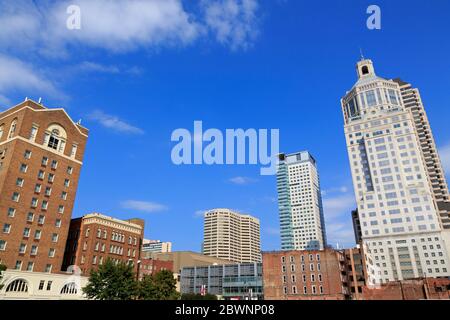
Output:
(364, 69)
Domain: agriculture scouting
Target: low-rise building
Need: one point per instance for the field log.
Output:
(149, 267)
(23, 285)
(242, 281)
(305, 275)
(94, 238)
(156, 246)
(414, 289)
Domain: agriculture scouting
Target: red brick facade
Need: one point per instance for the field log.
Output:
(152, 266)
(41, 154)
(417, 289)
(95, 238)
(304, 275)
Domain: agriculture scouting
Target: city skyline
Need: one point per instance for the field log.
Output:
(131, 128)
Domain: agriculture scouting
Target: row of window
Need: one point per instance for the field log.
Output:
(305, 290)
(302, 258)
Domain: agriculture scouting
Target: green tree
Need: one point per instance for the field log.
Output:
(160, 286)
(2, 268)
(197, 296)
(112, 282)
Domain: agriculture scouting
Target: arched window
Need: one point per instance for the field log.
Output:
(365, 70)
(19, 285)
(12, 129)
(70, 288)
(55, 137)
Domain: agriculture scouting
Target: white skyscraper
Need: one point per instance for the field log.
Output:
(400, 224)
(300, 203)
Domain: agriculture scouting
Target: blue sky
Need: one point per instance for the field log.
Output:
(137, 70)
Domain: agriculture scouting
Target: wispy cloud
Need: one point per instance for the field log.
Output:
(444, 154)
(144, 206)
(234, 22)
(337, 212)
(17, 75)
(341, 189)
(114, 122)
(242, 180)
(125, 25)
(199, 213)
(272, 231)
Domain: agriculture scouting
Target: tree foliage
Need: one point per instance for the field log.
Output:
(197, 296)
(160, 286)
(112, 282)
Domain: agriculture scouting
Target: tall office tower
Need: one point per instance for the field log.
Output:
(231, 236)
(302, 223)
(413, 102)
(41, 154)
(400, 226)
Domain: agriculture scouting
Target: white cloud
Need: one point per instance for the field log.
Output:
(272, 231)
(242, 180)
(444, 154)
(234, 22)
(199, 213)
(114, 122)
(97, 67)
(337, 213)
(16, 76)
(144, 206)
(125, 25)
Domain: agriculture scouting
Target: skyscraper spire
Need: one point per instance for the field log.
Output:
(361, 53)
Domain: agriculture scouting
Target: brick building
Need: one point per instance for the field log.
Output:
(41, 154)
(151, 266)
(414, 289)
(356, 271)
(94, 238)
(305, 275)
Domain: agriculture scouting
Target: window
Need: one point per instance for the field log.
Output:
(69, 170)
(2, 245)
(12, 129)
(18, 266)
(73, 152)
(51, 177)
(54, 164)
(64, 195)
(61, 209)
(44, 205)
(55, 237)
(30, 266)
(51, 252)
(33, 133)
(66, 183)
(48, 191)
(58, 223)
(1, 130)
(11, 212)
(26, 232)
(41, 220)
(41, 175)
(37, 188)
(48, 268)
(49, 285)
(41, 285)
(34, 202)
(19, 182)
(15, 197)
(6, 228)
(27, 154)
(34, 250)
(37, 234)
(22, 248)
(44, 161)
(30, 217)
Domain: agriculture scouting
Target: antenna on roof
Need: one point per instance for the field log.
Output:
(361, 53)
(79, 122)
(40, 100)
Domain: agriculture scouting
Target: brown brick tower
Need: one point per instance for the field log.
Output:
(41, 154)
